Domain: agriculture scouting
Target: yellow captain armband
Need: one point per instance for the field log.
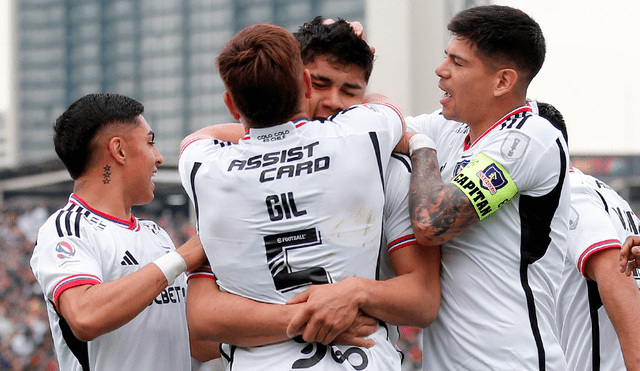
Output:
(486, 183)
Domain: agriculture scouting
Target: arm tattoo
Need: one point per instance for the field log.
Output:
(439, 211)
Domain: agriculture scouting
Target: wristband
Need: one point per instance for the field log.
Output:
(172, 265)
(420, 141)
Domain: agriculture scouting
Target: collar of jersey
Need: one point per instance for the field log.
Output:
(256, 132)
(523, 109)
(131, 224)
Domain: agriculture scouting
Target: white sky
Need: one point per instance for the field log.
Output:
(591, 74)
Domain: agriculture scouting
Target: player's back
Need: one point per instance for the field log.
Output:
(292, 205)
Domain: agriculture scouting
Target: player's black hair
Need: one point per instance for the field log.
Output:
(554, 116)
(76, 128)
(504, 35)
(336, 42)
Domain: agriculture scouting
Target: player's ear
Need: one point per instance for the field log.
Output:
(506, 80)
(117, 149)
(226, 97)
(307, 83)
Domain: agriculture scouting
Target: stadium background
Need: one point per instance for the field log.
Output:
(161, 52)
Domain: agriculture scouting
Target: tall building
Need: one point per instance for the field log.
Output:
(160, 52)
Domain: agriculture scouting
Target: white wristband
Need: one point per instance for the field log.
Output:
(420, 141)
(172, 265)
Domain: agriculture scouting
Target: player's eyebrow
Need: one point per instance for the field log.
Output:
(321, 78)
(455, 56)
(326, 79)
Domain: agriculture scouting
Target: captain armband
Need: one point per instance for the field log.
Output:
(486, 183)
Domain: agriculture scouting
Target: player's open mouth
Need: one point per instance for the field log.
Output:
(446, 97)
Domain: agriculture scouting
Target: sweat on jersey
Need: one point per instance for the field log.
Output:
(600, 219)
(293, 205)
(499, 277)
(78, 245)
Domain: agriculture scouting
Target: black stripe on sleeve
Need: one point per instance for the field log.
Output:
(595, 302)
(192, 178)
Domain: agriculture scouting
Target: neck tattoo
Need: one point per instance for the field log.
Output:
(106, 174)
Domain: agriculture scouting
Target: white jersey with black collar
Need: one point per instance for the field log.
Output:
(81, 246)
(292, 205)
(499, 277)
(600, 219)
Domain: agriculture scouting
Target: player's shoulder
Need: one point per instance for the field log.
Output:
(399, 162)
(153, 227)
(203, 146)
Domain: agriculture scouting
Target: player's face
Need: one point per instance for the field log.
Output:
(334, 88)
(143, 160)
(466, 81)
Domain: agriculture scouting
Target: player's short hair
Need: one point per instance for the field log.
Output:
(263, 72)
(554, 116)
(76, 128)
(505, 35)
(336, 42)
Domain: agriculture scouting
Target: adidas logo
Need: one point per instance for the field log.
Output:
(128, 259)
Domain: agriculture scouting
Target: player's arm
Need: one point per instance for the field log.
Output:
(243, 322)
(219, 316)
(94, 310)
(438, 211)
(621, 300)
(630, 255)
(411, 298)
(225, 132)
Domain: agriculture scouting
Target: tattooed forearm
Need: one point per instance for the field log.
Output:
(439, 211)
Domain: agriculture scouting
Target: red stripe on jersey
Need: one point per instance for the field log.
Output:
(401, 242)
(596, 247)
(131, 224)
(499, 122)
(73, 281)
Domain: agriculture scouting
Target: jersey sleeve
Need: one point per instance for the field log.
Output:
(590, 228)
(396, 220)
(385, 120)
(60, 263)
(531, 160)
(192, 157)
(428, 124)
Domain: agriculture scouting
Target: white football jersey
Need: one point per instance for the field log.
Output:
(292, 205)
(79, 245)
(397, 230)
(600, 219)
(499, 277)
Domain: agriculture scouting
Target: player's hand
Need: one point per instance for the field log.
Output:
(355, 335)
(357, 28)
(329, 310)
(193, 253)
(630, 254)
(403, 144)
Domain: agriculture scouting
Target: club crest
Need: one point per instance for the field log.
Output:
(492, 178)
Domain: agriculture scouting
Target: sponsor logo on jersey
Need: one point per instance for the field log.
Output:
(492, 178)
(65, 250)
(171, 295)
(288, 163)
